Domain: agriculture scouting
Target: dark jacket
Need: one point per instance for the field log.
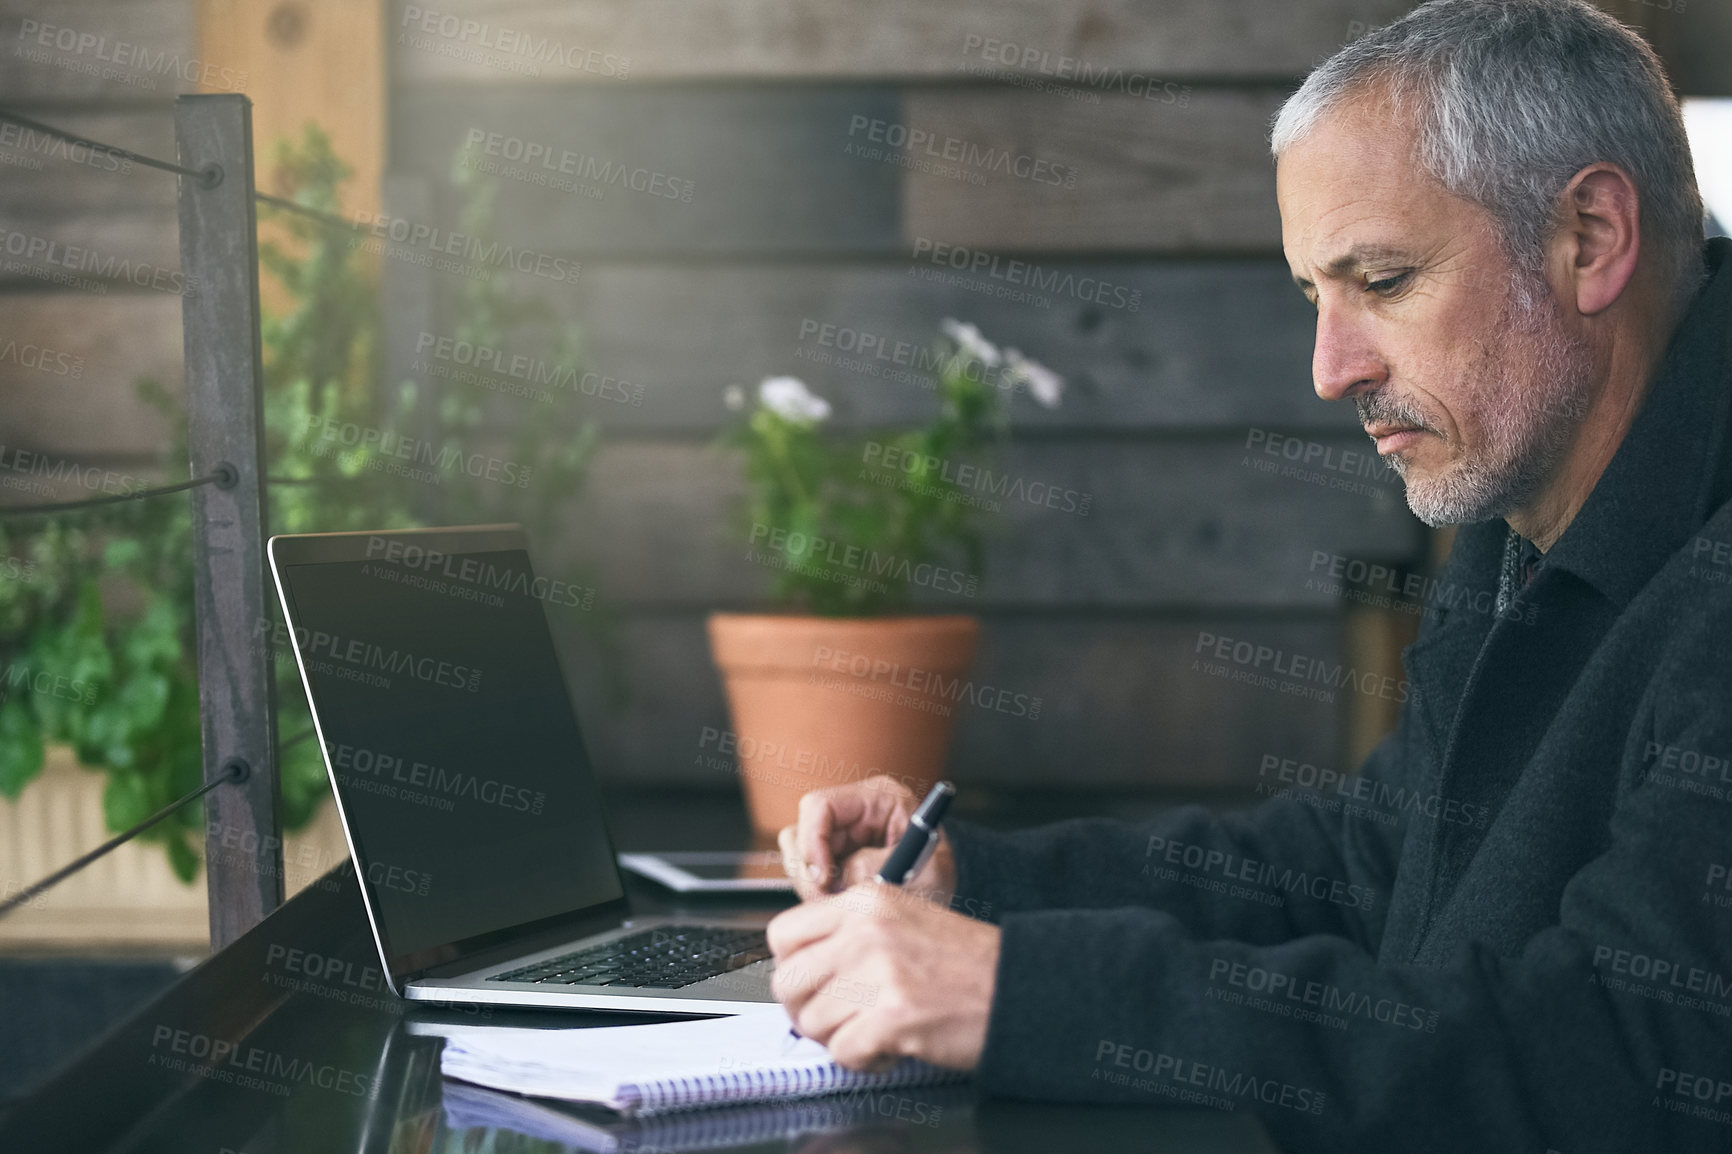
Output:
(1512, 932)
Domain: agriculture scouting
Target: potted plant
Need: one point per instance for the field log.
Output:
(845, 682)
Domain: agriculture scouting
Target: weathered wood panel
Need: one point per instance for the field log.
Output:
(313, 60)
(1211, 344)
(1121, 702)
(119, 53)
(1122, 525)
(99, 253)
(1692, 40)
(693, 172)
(1066, 45)
(45, 177)
(846, 168)
(72, 214)
(1134, 175)
(95, 415)
(1036, 41)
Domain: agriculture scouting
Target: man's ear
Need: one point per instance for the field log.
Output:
(1599, 240)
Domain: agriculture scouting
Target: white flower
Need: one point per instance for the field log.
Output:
(1044, 385)
(734, 398)
(969, 340)
(789, 399)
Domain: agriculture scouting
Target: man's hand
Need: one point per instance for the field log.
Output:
(878, 973)
(845, 833)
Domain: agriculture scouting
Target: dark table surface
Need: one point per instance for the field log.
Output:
(316, 1055)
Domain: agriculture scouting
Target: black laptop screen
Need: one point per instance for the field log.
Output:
(454, 746)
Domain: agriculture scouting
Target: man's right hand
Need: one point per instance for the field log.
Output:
(846, 832)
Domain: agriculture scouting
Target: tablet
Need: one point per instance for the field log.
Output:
(711, 871)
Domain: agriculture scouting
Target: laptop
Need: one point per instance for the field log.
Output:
(471, 809)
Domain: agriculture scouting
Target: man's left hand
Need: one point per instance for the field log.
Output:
(878, 973)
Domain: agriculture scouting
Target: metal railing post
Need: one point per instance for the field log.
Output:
(225, 417)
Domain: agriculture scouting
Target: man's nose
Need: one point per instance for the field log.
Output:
(1346, 361)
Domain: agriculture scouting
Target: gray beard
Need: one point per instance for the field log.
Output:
(1525, 437)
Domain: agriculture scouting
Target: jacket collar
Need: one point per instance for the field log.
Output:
(1674, 465)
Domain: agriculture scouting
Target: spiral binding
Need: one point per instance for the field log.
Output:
(770, 1085)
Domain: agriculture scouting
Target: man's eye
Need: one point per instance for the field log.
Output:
(1388, 285)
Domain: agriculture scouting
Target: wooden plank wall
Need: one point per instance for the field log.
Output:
(111, 70)
(799, 238)
(115, 327)
(767, 110)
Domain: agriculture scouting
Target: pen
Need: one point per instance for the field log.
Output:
(919, 839)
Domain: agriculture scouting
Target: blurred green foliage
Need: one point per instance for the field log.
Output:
(96, 632)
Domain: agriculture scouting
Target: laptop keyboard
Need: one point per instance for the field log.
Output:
(663, 958)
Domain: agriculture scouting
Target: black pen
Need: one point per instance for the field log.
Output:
(919, 839)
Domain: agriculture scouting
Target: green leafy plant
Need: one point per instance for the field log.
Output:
(95, 636)
(96, 629)
(852, 523)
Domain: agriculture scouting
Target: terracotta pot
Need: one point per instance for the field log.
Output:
(818, 701)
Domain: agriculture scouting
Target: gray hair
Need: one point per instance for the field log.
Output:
(1512, 99)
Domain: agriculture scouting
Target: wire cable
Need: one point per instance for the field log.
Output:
(330, 220)
(235, 771)
(224, 477)
(209, 176)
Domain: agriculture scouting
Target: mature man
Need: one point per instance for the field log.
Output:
(1492, 206)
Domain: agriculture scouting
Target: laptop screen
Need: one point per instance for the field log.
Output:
(455, 750)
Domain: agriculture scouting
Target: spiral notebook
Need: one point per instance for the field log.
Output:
(641, 1070)
(592, 1128)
